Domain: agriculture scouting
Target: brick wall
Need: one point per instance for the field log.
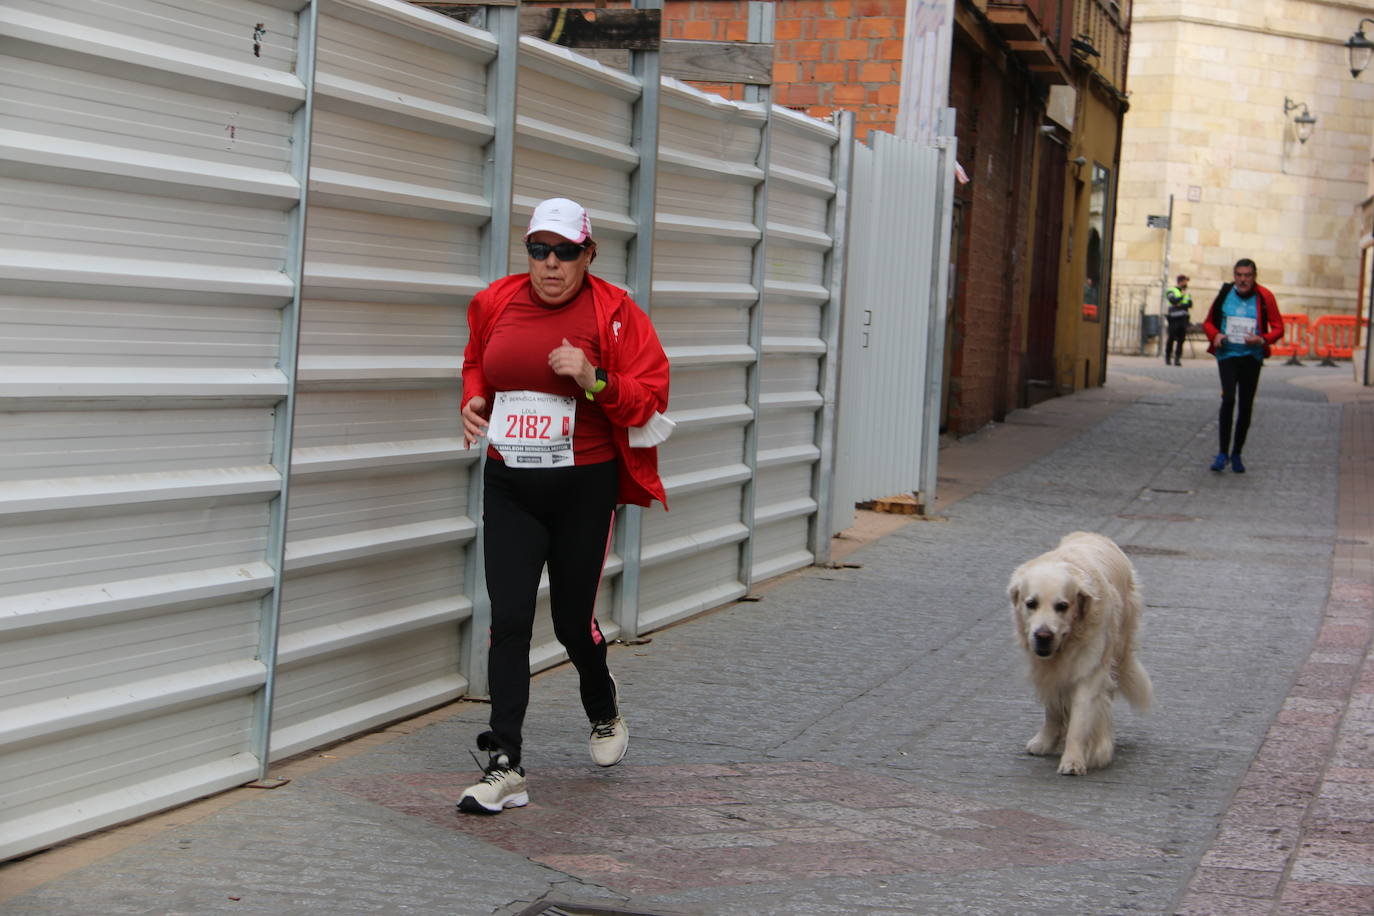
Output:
(828, 55)
(840, 54)
(994, 126)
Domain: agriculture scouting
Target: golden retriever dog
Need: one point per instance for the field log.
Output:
(1076, 609)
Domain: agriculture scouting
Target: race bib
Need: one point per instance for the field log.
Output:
(533, 429)
(1238, 328)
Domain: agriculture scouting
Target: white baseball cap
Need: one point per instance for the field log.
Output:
(562, 216)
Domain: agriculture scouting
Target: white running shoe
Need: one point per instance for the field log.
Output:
(610, 737)
(502, 786)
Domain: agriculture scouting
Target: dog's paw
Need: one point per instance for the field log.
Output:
(1043, 744)
(1072, 766)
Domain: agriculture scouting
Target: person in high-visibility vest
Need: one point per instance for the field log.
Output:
(1180, 302)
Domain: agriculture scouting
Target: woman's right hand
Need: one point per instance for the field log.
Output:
(474, 420)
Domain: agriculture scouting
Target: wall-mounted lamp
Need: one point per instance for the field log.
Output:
(1303, 122)
(1359, 49)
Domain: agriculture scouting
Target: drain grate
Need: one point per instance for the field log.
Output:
(554, 908)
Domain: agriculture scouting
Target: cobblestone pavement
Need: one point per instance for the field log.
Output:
(852, 742)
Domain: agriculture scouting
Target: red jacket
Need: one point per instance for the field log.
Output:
(631, 354)
(1269, 322)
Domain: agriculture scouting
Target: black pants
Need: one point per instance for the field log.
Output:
(1239, 382)
(1173, 343)
(561, 517)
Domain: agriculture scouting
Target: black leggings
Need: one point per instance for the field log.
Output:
(1237, 372)
(533, 516)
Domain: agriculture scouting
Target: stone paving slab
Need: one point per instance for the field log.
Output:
(671, 828)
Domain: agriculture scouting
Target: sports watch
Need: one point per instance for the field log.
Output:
(599, 385)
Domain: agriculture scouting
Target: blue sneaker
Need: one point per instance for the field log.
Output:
(1236, 464)
(1219, 463)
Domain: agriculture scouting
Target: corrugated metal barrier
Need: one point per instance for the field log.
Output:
(888, 422)
(238, 517)
(152, 189)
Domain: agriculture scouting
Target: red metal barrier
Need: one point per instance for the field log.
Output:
(1296, 341)
(1336, 336)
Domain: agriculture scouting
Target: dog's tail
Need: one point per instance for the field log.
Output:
(1135, 685)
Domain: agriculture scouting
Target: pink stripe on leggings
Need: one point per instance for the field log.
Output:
(597, 637)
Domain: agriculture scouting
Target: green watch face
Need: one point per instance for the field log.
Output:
(601, 375)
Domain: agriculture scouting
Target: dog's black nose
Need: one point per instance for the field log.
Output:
(1044, 642)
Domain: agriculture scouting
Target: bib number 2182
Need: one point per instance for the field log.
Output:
(533, 428)
(530, 427)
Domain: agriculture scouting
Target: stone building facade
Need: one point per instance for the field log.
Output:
(1207, 124)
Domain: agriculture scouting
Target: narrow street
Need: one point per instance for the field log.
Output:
(852, 742)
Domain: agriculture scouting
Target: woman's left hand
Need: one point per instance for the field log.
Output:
(569, 361)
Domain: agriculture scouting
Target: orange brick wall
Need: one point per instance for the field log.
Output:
(709, 20)
(827, 54)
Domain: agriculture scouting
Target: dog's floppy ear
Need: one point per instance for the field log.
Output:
(1088, 591)
(1014, 588)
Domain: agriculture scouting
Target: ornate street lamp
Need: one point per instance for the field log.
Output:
(1359, 49)
(1304, 121)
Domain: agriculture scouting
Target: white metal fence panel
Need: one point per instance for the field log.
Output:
(855, 342)
(797, 339)
(375, 604)
(894, 270)
(703, 294)
(146, 165)
(573, 135)
(149, 362)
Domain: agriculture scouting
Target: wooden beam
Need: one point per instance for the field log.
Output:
(1016, 23)
(1052, 73)
(1035, 48)
(630, 30)
(719, 61)
(692, 60)
(972, 30)
(1041, 60)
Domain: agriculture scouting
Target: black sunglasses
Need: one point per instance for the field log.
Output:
(564, 251)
